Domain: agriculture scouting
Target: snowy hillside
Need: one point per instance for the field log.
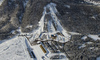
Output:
(49, 30)
(16, 48)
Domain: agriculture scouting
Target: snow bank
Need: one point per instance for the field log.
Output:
(16, 48)
(94, 37)
(74, 33)
(84, 37)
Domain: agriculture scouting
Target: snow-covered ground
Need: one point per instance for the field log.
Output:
(39, 53)
(94, 37)
(41, 35)
(51, 30)
(93, 2)
(14, 49)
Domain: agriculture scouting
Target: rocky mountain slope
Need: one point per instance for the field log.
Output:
(11, 12)
(77, 16)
